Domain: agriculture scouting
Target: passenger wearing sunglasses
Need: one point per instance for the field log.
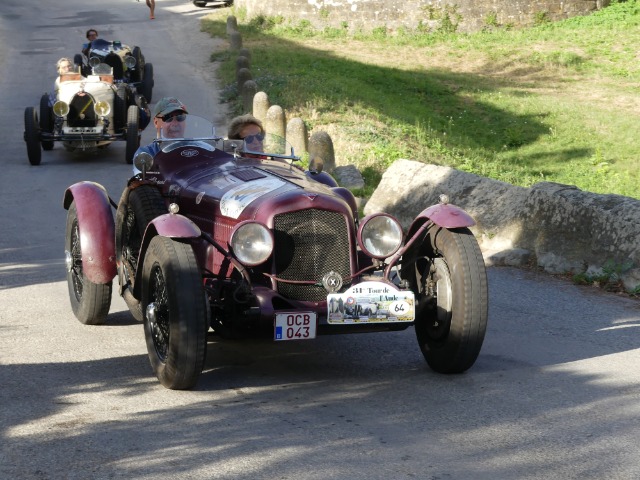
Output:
(247, 128)
(169, 116)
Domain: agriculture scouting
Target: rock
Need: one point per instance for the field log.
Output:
(261, 105)
(564, 229)
(348, 176)
(297, 136)
(321, 147)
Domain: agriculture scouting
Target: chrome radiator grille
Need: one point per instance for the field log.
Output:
(81, 112)
(309, 244)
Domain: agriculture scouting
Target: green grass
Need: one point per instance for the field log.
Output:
(556, 102)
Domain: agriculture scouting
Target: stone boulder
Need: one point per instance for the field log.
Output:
(558, 228)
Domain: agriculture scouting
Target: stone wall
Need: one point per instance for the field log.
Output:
(558, 228)
(468, 15)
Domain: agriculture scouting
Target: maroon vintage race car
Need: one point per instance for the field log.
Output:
(212, 238)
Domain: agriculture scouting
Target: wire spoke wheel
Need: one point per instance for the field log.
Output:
(158, 314)
(90, 301)
(175, 320)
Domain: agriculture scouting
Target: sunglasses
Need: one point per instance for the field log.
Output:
(250, 138)
(168, 118)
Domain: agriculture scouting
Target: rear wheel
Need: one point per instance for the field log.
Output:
(175, 321)
(133, 133)
(135, 210)
(146, 86)
(32, 136)
(449, 280)
(90, 301)
(46, 121)
(137, 54)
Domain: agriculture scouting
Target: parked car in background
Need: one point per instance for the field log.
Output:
(203, 3)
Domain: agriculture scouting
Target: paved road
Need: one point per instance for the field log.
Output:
(554, 394)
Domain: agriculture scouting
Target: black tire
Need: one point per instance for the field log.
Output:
(133, 133)
(120, 108)
(32, 136)
(146, 86)
(199, 3)
(90, 301)
(46, 121)
(135, 210)
(137, 54)
(175, 320)
(449, 281)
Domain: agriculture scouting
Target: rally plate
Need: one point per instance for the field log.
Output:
(371, 302)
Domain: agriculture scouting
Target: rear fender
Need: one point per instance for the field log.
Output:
(97, 230)
(168, 225)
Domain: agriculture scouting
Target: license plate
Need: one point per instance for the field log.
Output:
(295, 326)
(371, 302)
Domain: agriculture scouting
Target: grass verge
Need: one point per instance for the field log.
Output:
(557, 102)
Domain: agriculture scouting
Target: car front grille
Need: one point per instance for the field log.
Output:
(81, 112)
(308, 245)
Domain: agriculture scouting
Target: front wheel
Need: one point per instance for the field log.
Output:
(449, 280)
(46, 121)
(120, 108)
(175, 320)
(90, 301)
(133, 133)
(32, 136)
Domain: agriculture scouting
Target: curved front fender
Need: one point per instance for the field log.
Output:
(447, 216)
(175, 226)
(97, 230)
(168, 225)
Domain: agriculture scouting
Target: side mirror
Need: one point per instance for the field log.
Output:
(143, 162)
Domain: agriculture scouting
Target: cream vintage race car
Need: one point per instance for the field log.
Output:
(88, 113)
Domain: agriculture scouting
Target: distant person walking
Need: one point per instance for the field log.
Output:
(152, 8)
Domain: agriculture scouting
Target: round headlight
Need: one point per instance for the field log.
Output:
(251, 243)
(94, 61)
(60, 108)
(102, 108)
(380, 236)
(129, 61)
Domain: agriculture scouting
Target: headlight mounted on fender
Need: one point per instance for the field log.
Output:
(251, 243)
(380, 235)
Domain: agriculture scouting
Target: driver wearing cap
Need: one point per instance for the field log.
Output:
(169, 116)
